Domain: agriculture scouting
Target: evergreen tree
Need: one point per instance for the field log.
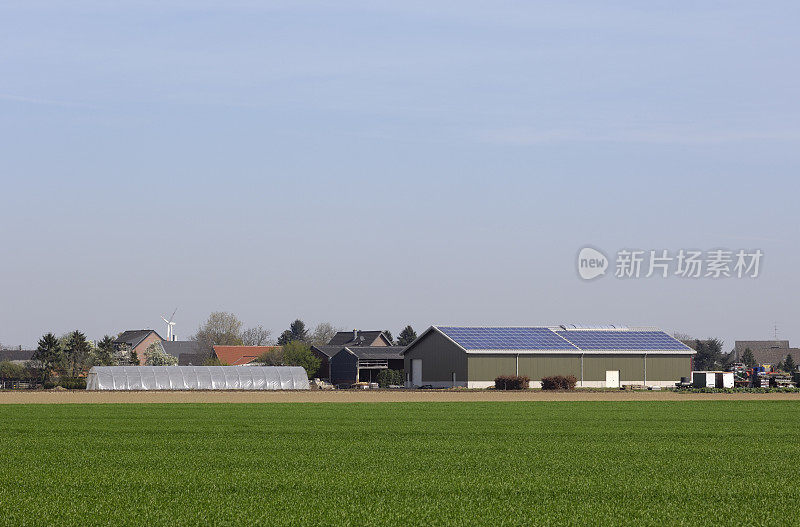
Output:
(134, 357)
(76, 353)
(104, 353)
(789, 364)
(49, 355)
(297, 331)
(748, 358)
(407, 336)
(709, 354)
(389, 336)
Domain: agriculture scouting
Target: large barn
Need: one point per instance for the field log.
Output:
(598, 356)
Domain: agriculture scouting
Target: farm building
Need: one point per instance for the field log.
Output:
(348, 369)
(364, 363)
(137, 340)
(197, 378)
(598, 356)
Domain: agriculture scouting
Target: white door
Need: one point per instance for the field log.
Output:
(416, 372)
(612, 378)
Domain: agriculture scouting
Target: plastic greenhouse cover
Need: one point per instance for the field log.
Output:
(197, 378)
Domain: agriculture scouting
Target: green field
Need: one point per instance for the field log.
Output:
(653, 463)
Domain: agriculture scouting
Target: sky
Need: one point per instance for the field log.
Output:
(377, 164)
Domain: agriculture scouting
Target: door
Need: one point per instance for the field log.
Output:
(612, 378)
(416, 372)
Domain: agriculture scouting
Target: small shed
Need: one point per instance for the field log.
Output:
(712, 379)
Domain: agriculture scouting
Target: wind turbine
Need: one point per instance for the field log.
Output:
(170, 325)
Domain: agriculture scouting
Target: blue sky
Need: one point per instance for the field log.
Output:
(374, 164)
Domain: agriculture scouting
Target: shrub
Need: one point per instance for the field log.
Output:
(72, 383)
(511, 382)
(559, 382)
(388, 378)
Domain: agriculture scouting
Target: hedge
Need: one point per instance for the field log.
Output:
(388, 378)
(511, 382)
(559, 382)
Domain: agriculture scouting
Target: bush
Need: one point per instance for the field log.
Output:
(72, 383)
(559, 382)
(511, 382)
(388, 378)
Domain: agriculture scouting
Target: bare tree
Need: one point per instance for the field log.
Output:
(323, 333)
(221, 329)
(257, 336)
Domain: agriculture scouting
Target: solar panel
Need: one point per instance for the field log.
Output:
(622, 340)
(506, 338)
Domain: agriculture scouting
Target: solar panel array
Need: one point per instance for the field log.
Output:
(507, 338)
(622, 340)
(542, 338)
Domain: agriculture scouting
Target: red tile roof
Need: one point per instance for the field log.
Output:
(238, 355)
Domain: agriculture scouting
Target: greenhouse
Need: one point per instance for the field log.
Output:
(197, 378)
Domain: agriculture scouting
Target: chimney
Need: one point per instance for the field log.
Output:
(355, 335)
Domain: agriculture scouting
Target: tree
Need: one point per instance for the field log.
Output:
(257, 336)
(789, 364)
(407, 336)
(10, 372)
(709, 354)
(156, 356)
(271, 357)
(297, 331)
(76, 353)
(221, 329)
(49, 356)
(297, 353)
(389, 336)
(134, 358)
(104, 352)
(322, 334)
(748, 358)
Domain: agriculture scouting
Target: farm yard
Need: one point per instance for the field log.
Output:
(510, 463)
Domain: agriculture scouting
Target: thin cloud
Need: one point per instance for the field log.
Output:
(654, 135)
(35, 100)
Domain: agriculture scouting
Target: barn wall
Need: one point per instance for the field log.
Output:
(440, 358)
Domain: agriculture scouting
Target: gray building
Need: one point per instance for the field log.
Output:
(598, 356)
(766, 351)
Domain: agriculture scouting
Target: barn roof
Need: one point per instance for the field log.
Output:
(559, 339)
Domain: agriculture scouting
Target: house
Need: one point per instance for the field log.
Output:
(363, 363)
(137, 340)
(349, 339)
(18, 356)
(359, 338)
(598, 356)
(187, 352)
(240, 355)
(766, 351)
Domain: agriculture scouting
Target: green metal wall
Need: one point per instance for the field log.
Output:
(668, 367)
(631, 367)
(440, 358)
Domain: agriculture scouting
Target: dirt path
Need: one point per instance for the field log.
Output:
(351, 396)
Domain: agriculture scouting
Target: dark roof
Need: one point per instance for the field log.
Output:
(177, 347)
(191, 359)
(16, 355)
(766, 351)
(377, 352)
(328, 351)
(364, 338)
(133, 337)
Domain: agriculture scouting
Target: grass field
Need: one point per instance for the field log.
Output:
(519, 463)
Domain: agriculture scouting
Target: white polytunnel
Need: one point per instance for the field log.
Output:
(197, 378)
